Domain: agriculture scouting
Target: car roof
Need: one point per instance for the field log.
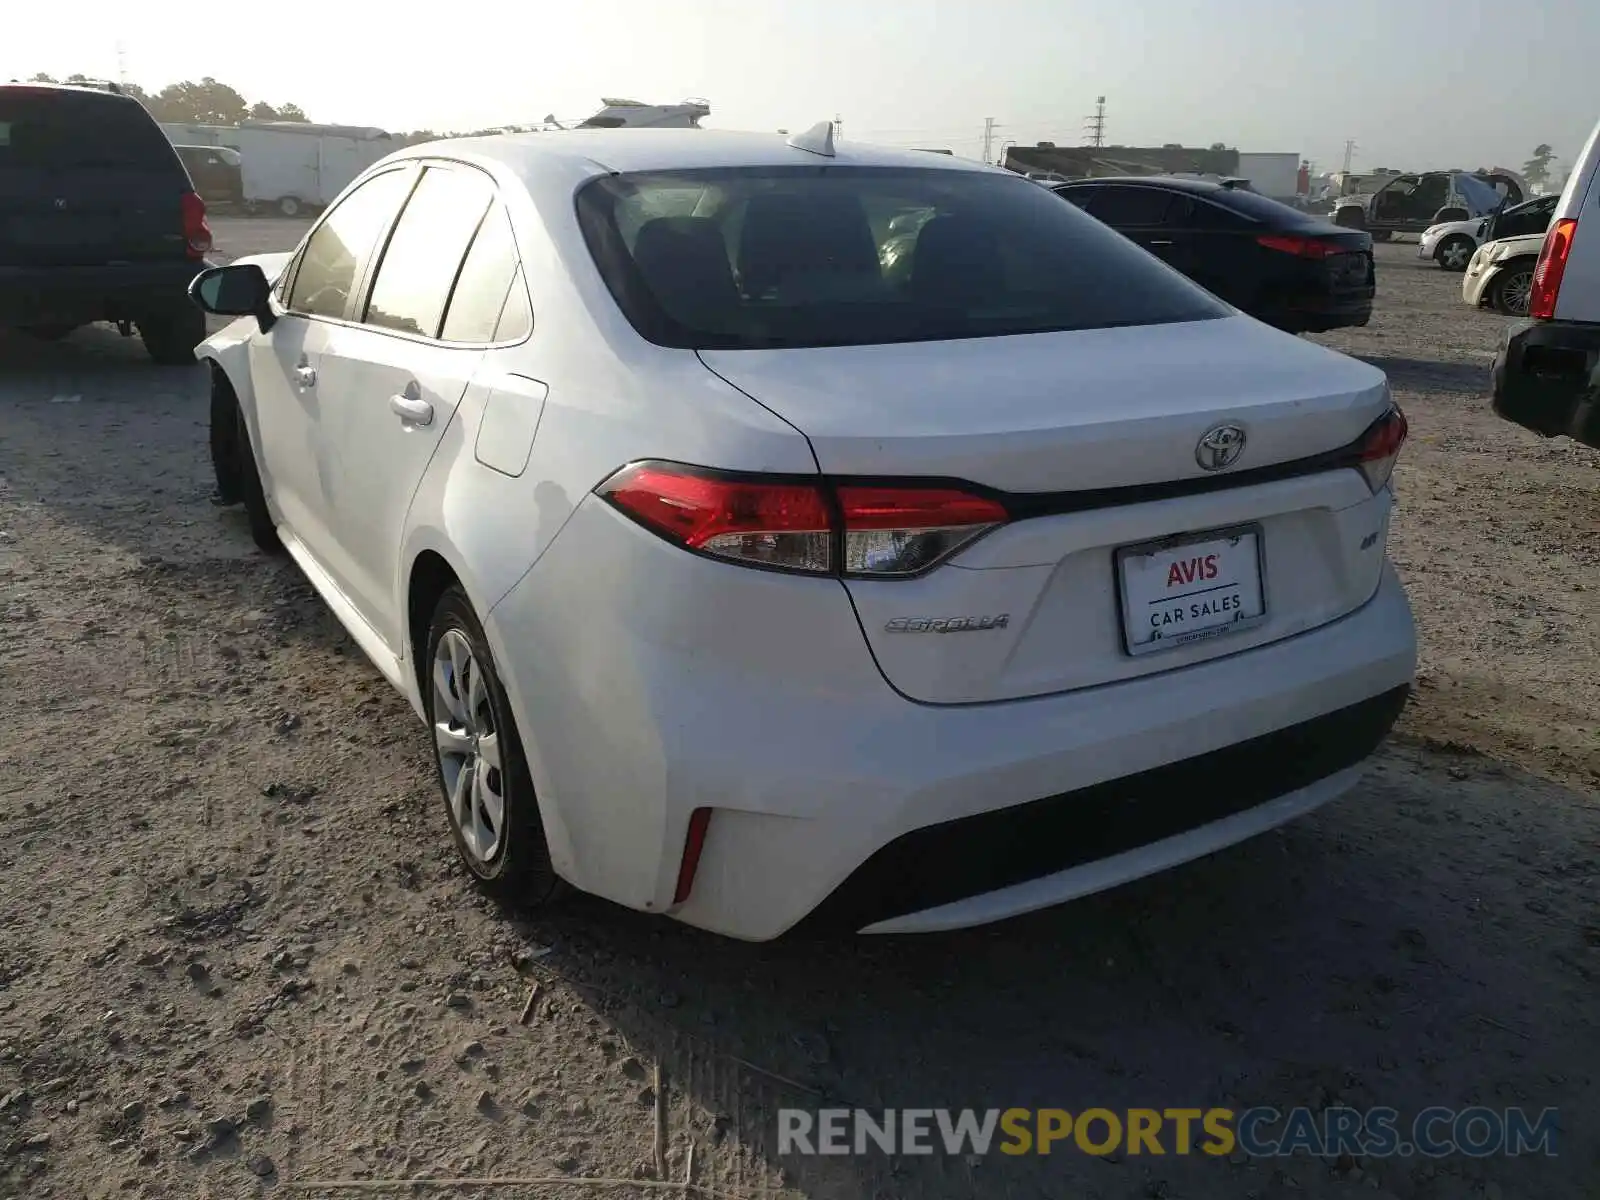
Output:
(627, 150)
(1177, 183)
(71, 89)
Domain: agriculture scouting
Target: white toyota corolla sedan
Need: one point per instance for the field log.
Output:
(773, 533)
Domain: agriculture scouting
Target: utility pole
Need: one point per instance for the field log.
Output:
(1094, 127)
(838, 127)
(122, 63)
(988, 137)
(1349, 153)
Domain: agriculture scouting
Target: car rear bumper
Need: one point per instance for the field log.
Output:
(76, 295)
(835, 798)
(1318, 313)
(1546, 377)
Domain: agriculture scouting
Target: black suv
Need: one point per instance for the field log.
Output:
(98, 220)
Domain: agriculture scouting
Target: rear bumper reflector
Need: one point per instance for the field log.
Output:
(693, 843)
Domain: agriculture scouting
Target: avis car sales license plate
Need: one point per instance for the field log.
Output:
(1179, 591)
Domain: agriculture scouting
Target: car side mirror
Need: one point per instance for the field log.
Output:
(236, 290)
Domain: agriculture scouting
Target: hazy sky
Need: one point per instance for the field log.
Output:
(1416, 83)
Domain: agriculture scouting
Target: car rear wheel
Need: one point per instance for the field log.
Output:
(1382, 235)
(1350, 218)
(289, 206)
(170, 337)
(1509, 295)
(1455, 252)
(483, 774)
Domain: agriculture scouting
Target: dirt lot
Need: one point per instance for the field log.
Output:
(236, 955)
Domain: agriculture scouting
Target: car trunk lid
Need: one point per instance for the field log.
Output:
(1122, 504)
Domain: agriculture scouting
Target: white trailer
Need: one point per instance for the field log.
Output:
(291, 166)
(1274, 175)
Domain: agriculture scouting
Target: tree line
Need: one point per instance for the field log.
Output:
(209, 101)
(197, 102)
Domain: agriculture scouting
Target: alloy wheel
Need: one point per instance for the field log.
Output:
(1514, 293)
(468, 747)
(1454, 256)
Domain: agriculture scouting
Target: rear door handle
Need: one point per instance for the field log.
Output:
(412, 410)
(306, 375)
(1161, 242)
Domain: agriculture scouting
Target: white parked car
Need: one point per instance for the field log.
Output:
(1500, 274)
(1547, 372)
(739, 577)
(1452, 244)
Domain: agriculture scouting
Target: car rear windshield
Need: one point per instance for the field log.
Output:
(782, 257)
(63, 130)
(1263, 208)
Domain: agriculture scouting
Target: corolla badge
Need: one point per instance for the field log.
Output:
(947, 624)
(1219, 447)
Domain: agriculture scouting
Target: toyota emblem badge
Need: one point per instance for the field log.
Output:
(1219, 447)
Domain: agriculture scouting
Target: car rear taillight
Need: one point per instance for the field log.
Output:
(1379, 447)
(802, 524)
(1552, 266)
(196, 232)
(1301, 247)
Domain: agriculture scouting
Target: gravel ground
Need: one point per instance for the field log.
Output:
(237, 956)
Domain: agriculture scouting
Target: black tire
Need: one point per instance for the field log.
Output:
(518, 868)
(225, 439)
(1350, 217)
(1508, 294)
(1382, 235)
(247, 479)
(1457, 248)
(289, 206)
(170, 337)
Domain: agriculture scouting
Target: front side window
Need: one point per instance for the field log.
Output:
(773, 257)
(336, 248)
(420, 264)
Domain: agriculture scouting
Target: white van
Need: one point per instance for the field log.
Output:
(1547, 374)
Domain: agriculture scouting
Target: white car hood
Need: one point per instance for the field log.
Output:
(1511, 247)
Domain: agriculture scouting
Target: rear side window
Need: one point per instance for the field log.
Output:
(327, 272)
(424, 255)
(772, 257)
(486, 279)
(57, 130)
(1137, 206)
(1205, 215)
